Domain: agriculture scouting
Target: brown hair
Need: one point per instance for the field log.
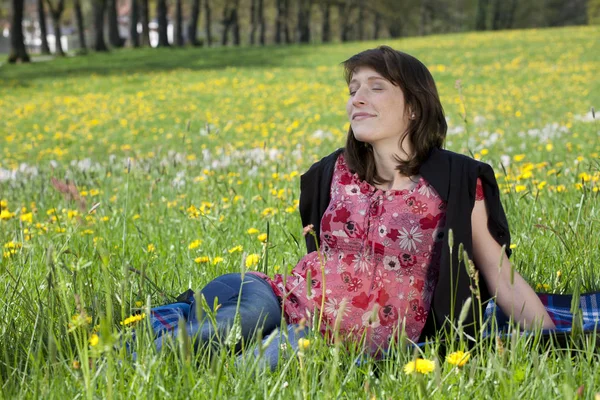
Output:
(427, 130)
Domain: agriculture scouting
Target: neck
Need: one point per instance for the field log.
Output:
(385, 163)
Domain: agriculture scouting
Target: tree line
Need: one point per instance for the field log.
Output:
(261, 22)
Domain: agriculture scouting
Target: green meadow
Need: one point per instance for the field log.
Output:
(127, 178)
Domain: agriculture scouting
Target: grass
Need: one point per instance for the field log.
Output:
(185, 150)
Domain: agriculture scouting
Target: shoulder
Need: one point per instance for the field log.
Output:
(441, 159)
(324, 165)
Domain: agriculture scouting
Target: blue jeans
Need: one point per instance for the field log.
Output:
(260, 315)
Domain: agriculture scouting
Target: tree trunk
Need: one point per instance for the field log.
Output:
(481, 18)
(56, 13)
(279, 22)
(326, 25)
(145, 20)
(161, 15)
(80, 26)
(178, 24)
(424, 19)
(236, 26)
(253, 21)
(497, 15)
(134, 17)
(303, 27)
(192, 31)
(18, 52)
(43, 28)
(286, 29)
(207, 22)
(226, 25)
(361, 18)
(345, 11)
(99, 7)
(376, 25)
(261, 22)
(113, 25)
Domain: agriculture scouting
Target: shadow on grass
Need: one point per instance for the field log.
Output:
(118, 62)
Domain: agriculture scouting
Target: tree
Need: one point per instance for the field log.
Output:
(345, 10)
(326, 21)
(361, 18)
(43, 28)
(145, 20)
(230, 21)
(161, 15)
(282, 33)
(481, 18)
(261, 22)
(178, 24)
(134, 17)
(56, 14)
(207, 21)
(114, 37)
(192, 31)
(80, 26)
(18, 52)
(253, 21)
(303, 28)
(593, 12)
(99, 10)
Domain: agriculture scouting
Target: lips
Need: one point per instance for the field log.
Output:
(361, 115)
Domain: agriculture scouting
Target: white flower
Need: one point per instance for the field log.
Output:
(426, 190)
(382, 231)
(371, 318)
(408, 239)
(362, 262)
(352, 190)
(333, 306)
(391, 263)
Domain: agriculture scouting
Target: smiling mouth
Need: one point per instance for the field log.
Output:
(359, 117)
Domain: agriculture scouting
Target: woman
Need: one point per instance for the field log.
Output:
(382, 258)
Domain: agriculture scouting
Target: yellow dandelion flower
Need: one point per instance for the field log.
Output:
(133, 319)
(201, 259)
(217, 260)
(28, 217)
(151, 248)
(5, 214)
(252, 260)
(195, 244)
(262, 237)
(235, 249)
(419, 365)
(303, 344)
(252, 231)
(458, 358)
(519, 157)
(94, 339)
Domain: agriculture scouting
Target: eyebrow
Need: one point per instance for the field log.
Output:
(371, 78)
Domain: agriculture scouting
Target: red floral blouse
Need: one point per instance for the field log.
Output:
(380, 252)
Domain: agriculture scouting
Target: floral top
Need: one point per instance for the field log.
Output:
(380, 252)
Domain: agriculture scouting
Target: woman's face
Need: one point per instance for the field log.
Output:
(376, 109)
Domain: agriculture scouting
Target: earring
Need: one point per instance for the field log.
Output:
(412, 116)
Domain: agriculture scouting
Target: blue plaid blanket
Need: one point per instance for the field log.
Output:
(165, 319)
(558, 307)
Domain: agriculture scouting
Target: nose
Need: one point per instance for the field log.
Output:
(359, 98)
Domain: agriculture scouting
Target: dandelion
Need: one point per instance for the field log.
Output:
(235, 249)
(217, 260)
(420, 365)
(458, 358)
(133, 319)
(94, 339)
(5, 214)
(27, 217)
(195, 244)
(151, 248)
(303, 344)
(201, 259)
(262, 237)
(269, 211)
(252, 231)
(252, 260)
